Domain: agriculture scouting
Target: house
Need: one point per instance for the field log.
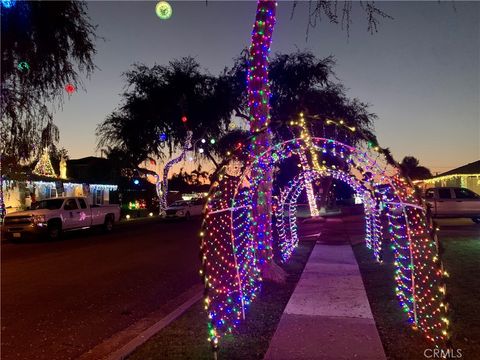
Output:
(466, 176)
(90, 177)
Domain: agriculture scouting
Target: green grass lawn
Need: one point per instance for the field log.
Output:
(186, 338)
(462, 261)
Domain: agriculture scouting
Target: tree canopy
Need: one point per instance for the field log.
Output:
(301, 82)
(45, 46)
(148, 122)
(410, 166)
(156, 103)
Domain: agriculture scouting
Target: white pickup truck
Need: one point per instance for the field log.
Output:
(52, 216)
(453, 202)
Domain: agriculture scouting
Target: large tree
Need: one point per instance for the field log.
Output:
(149, 121)
(301, 82)
(45, 46)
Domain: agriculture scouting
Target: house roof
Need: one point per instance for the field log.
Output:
(472, 168)
(88, 160)
(92, 169)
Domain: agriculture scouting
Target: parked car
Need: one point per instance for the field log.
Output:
(50, 217)
(184, 209)
(453, 202)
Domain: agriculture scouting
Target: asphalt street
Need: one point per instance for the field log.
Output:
(60, 299)
(458, 228)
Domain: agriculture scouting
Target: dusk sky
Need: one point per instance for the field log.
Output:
(420, 72)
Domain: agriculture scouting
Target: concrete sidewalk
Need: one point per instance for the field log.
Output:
(328, 315)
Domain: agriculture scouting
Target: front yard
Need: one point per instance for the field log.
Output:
(186, 338)
(462, 261)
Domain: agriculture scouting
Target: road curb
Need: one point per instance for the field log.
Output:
(124, 343)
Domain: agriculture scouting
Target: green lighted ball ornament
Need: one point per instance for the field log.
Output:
(23, 66)
(163, 10)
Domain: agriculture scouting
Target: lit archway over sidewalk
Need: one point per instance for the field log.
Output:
(236, 235)
(232, 255)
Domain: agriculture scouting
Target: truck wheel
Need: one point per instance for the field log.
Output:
(54, 231)
(476, 220)
(108, 224)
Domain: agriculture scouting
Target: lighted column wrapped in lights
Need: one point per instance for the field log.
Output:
(162, 187)
(308, 146)
(312, 202)
(230, 256)
(258, 108)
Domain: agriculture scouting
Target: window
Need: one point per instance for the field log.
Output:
(52, 193)
(462, 193)
(444, 193)
(70, 204)
(430, 194)
(199, 202)
(98, 197)
(53, 204)
(82, 203)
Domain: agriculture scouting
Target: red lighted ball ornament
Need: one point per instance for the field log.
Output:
(70, 88)
(184, 119)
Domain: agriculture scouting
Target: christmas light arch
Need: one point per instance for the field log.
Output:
(286, 225)
(232, 254)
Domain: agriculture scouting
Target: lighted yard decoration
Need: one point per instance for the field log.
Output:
(70, 89)
(285, 212)
(44, 165)
(232, 258)
(23, 66)
(163, 10)
(8, 3)
(162, 185)
(236, 235)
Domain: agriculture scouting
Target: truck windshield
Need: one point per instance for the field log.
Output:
(52, 204)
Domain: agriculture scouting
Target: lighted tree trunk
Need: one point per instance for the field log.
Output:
(162, 184)
(258, 102)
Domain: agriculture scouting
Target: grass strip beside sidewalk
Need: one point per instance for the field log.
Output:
(186, 338)
(461, 260)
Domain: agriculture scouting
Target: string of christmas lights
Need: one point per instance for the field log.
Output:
(236, 236)
(162, 187)
(44, 165)
(258, 97)
(232, 255)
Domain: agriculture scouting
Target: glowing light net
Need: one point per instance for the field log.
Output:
(231, 256)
